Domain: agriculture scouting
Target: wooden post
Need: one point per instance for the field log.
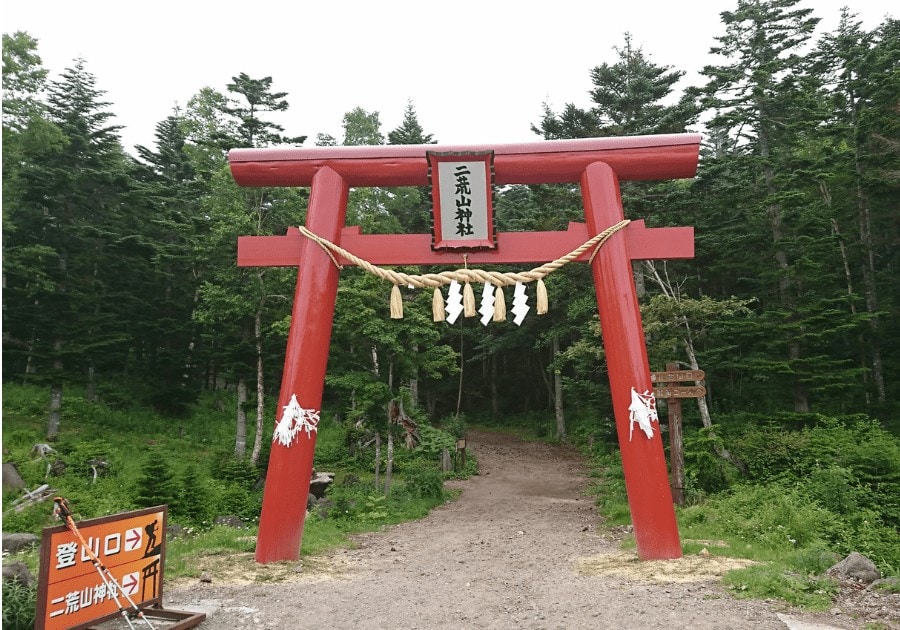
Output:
(643, 458)
(667, 386)
(676, 444)
(290, 467)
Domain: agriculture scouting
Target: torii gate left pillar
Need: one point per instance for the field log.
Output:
(597, 164)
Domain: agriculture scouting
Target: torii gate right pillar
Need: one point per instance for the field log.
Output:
(643, 459)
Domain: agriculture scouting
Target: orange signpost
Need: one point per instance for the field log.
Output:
(73, 592)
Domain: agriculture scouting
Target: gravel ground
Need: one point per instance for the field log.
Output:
(520, 548)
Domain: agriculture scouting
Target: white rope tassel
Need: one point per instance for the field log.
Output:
(295, 419)
(643, 411)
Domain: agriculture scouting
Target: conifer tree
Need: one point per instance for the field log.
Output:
(765, 98)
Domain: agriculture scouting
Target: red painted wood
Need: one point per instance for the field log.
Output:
(547, 162)
(643, 243)
(643, 459)
(290, 467)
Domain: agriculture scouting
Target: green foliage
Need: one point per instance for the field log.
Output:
(434, 440)
(156, 484)
(813, 591)
(455, 425)
(195, 506)
(233, 469)
(609, 487)
(19, 604)
(426, 484)
(705, 471)
(853, 455)
(774, 516)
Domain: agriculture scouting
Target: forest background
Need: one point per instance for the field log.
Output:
(120, 284)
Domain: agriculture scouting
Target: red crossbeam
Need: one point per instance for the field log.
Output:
(513, 247)
(671, 156)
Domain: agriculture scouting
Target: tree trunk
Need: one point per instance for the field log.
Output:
(849, 276)
(495, 397)
(688, 339)
(459, 391)
(388, 472)
(558, 396)
(240, 440)
(414, 382)
(377, 461)
(639, 283)
(864, 220)
(56, 393)
(90, 393)
(260, 389)
(548, 382)
(869, 285)
(374, 351)
(55, 415)
(431, 403)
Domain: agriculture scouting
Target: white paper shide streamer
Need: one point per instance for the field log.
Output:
(643, 411)
(487, 303)
(454, 302)
(295, 419)
(520, 307)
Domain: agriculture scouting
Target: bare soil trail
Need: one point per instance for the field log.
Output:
(520, 548)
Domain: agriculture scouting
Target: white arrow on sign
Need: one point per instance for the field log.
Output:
(130, 583)
(133, 538)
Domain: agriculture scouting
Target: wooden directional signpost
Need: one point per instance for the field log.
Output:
(74, 593)
(666, 385)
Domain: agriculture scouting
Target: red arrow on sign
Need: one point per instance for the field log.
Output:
(130, 583)
(132, 539)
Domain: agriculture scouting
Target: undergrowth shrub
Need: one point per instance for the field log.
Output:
(233, 469)
(156, 483)
(19, 605)
(425, 483)
(869, 455)
(773, 515)
(705, 471)
(434, 441)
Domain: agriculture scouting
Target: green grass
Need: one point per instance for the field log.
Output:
(780, 525)
(204, 481)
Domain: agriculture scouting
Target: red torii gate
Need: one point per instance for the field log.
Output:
(598, 164)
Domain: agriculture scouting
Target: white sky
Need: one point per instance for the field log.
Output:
(477, 71)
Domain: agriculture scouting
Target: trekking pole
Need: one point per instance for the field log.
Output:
(62, 510)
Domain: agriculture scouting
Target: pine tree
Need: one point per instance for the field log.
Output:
(858, 158)
(410, 130)
(234, 301)
(168, 340)
(765, 97)
(68, 211)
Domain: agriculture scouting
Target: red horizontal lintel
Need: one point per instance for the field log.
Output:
(650, 157)
(512, 247)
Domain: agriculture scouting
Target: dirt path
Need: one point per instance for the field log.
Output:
(518, 549)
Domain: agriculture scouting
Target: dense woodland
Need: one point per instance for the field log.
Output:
(120, 279)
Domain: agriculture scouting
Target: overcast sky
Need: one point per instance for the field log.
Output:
(476, 71)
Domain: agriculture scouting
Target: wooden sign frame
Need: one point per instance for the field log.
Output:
(131, 545)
